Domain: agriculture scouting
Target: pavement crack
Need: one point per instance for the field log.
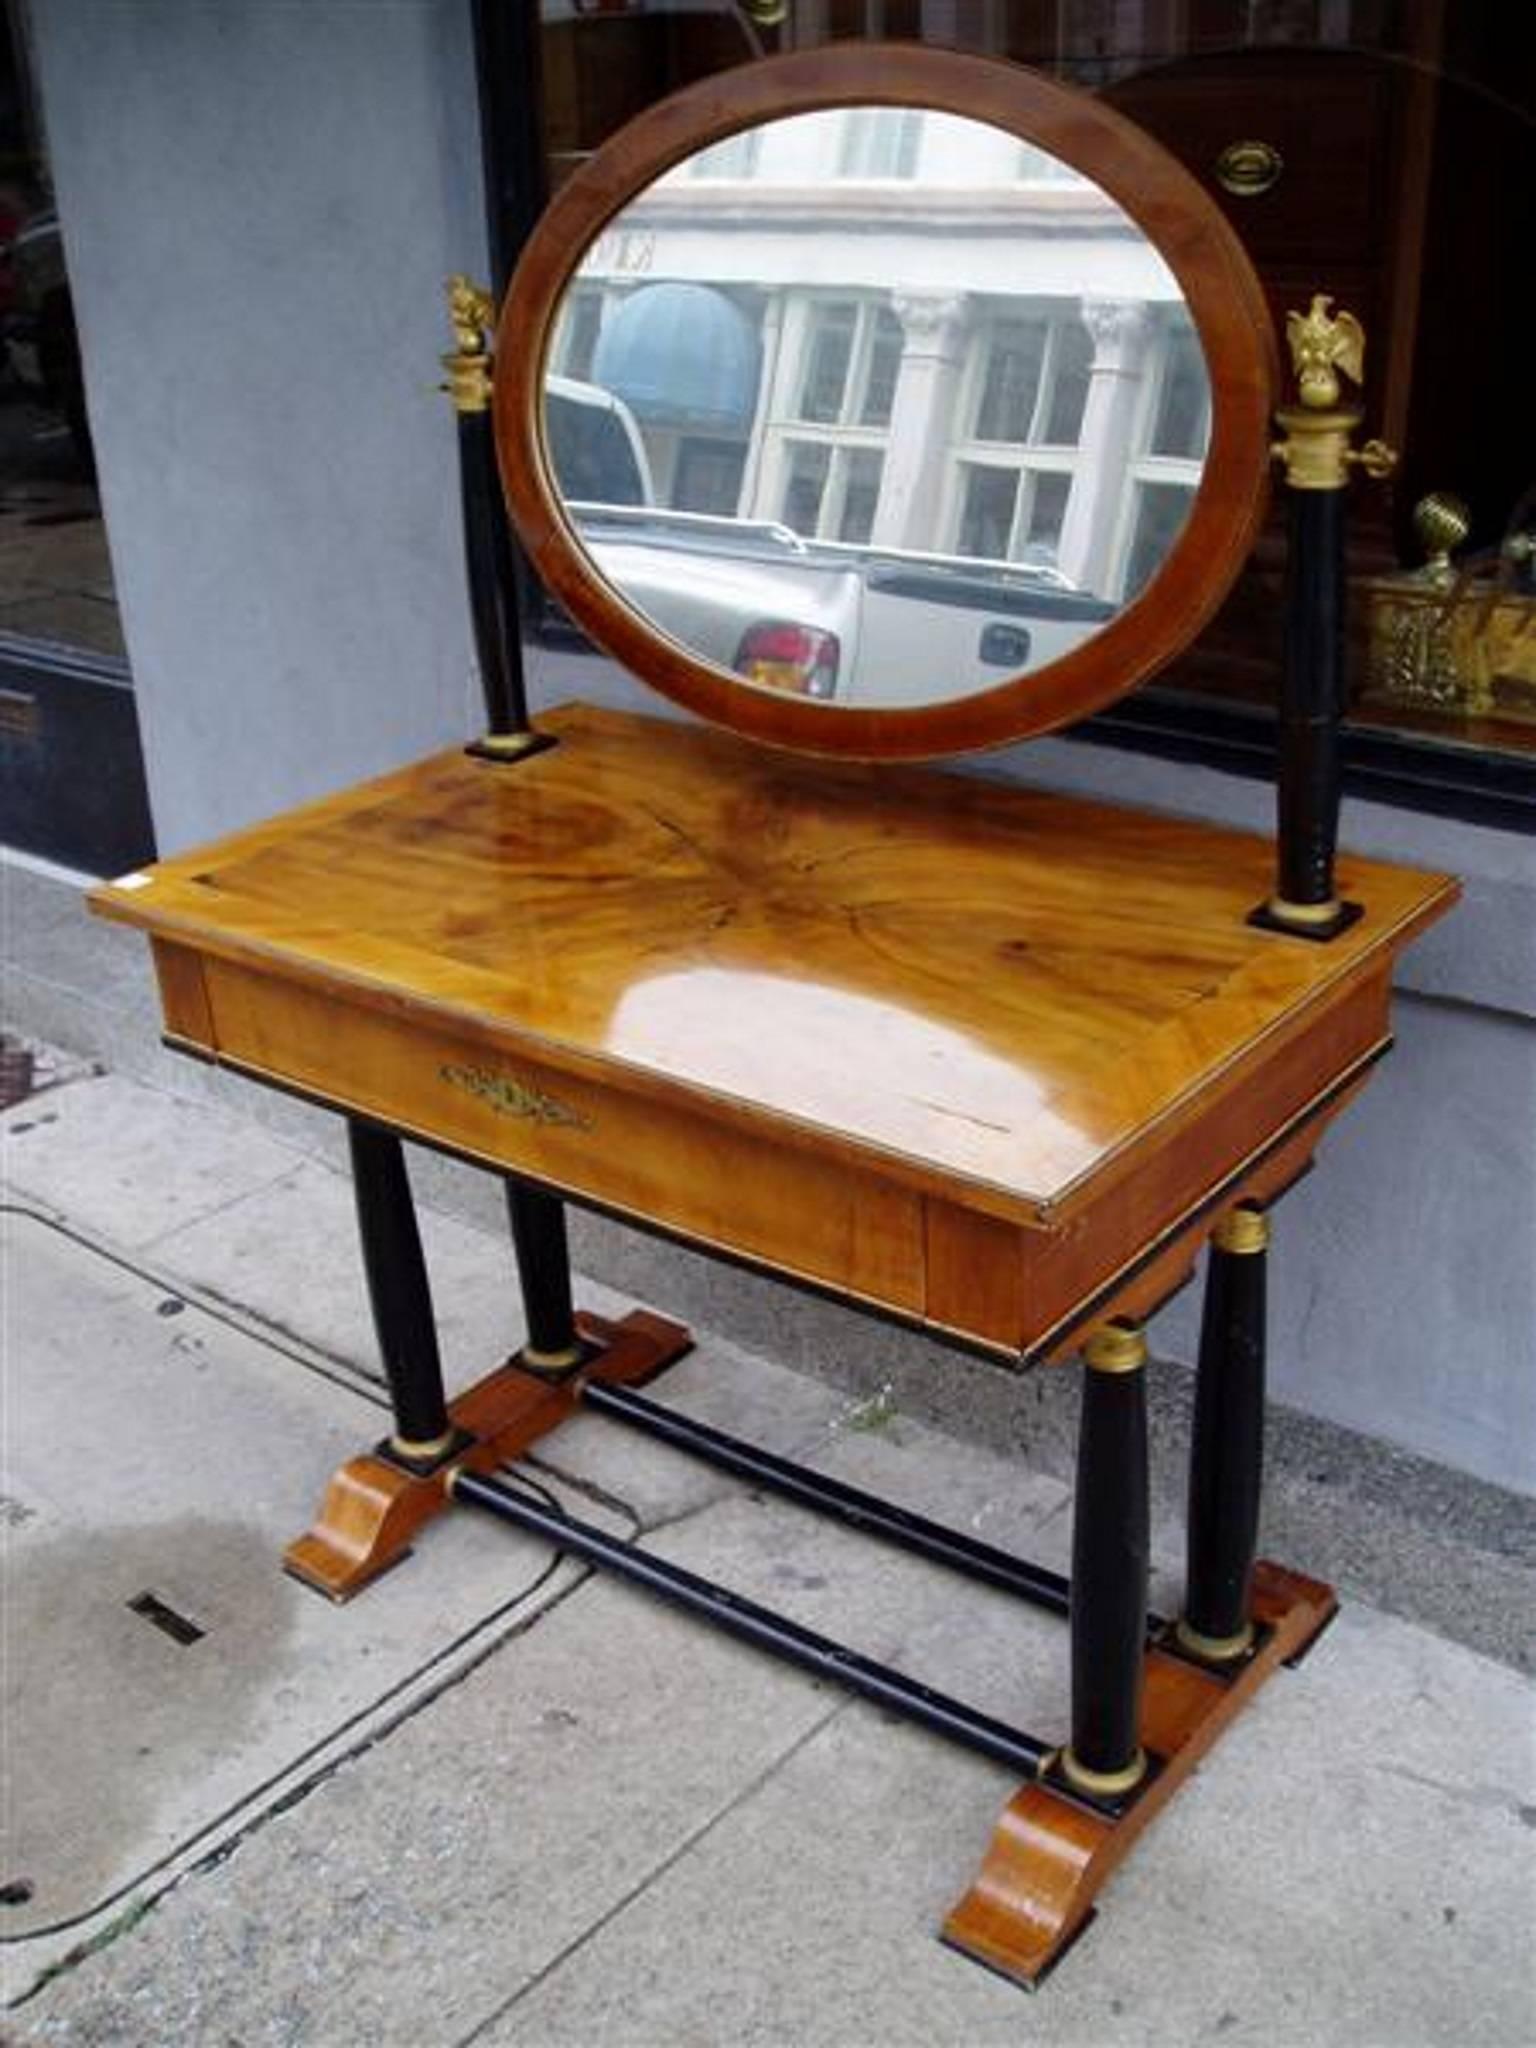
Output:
(691, 1513)
(1490, 1798)
(589, 1489)
(658, 1870)
(234, 1315)
(258, 1187)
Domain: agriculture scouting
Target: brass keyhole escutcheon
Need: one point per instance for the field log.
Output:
(1248, 168)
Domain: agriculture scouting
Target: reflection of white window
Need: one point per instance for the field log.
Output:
(1038, 167)
(1181, 398)
(1175, 434)
(735, 157)
(879, 142)
(1022, 419)
(830, 491)
(706, 476)
(826, 447)
(581, 317)
(1012, 514)
(852, 353)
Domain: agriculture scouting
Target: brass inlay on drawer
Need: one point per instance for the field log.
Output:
(511, 1097)
(1248, 168)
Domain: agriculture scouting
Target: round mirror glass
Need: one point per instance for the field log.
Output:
(885, 402)
(875, 406)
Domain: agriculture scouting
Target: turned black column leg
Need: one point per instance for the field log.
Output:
(1227, 1454)
(544, 1269)
(1110, 1548)
(399, 1292)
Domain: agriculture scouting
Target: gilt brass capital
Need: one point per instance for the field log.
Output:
(1242, 1231)
(1316, 446)
(1116, 1347)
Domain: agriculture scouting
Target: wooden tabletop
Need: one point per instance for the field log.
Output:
(1006, 985)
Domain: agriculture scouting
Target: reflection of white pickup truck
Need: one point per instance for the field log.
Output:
(854, 624)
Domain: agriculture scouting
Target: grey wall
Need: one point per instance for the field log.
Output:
(260, 202)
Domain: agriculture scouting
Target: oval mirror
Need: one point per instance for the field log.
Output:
(885, 401)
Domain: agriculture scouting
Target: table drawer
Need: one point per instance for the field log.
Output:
(817, 1218)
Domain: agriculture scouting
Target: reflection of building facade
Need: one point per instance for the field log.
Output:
(907, 329)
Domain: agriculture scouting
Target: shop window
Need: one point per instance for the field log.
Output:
(71, 771)
(1406, 135)
(55, 569)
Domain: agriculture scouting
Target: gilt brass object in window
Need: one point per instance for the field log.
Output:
(1246, 169)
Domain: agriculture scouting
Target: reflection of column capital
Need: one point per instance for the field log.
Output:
(936, 326)
(933, 320)
(1118, 327)
(1122, 332)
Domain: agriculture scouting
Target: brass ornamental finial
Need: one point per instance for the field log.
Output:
(1318, 430)
(1441, 522)
(471, 312)
(1322, 344)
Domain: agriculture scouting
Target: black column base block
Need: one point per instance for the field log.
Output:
(508, 748)
(1266, 920)
(459, 1441)
(1108, 1805)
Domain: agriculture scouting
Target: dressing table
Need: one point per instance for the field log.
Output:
(996, 1063)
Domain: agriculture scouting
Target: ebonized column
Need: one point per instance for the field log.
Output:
(508, 46)
(399, 1292)
(544, 1269)
(1110, 1551)
(1311, 707)
(1227, 1452)
(493, 588)
(1319, 457)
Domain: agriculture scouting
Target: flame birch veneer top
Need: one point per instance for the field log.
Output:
(1006, 986)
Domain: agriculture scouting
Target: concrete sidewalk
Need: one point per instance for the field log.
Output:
(604, 1824)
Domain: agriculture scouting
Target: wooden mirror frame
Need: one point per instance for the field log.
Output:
(1184, 225)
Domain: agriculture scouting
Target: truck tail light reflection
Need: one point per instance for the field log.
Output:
(780, 656)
